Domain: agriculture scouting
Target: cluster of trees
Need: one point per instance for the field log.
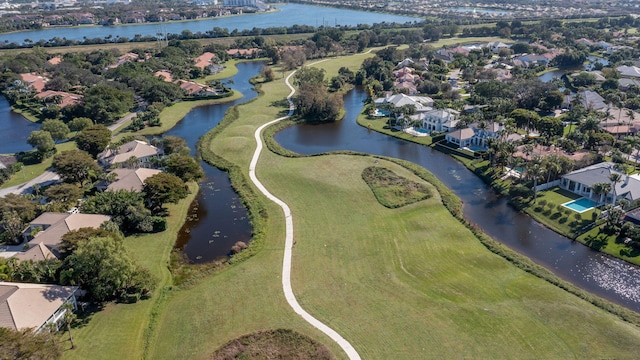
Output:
(313, 100)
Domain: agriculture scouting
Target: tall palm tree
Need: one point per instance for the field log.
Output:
(614, 178)
(535, 171)
(601, 189)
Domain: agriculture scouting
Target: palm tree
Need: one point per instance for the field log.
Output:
(535, 171)
(552, 166)
(601, 189)
(614, 178)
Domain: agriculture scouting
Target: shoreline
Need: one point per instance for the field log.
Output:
(495, 187)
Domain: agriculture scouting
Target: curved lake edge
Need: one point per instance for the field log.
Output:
(454, 205)
(498, 191)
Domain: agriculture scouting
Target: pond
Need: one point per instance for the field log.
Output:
(15, 129)
(286, 16)
(602, 275)
(217, 219)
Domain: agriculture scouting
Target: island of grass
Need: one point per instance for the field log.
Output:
(391, 190)
(397, 283)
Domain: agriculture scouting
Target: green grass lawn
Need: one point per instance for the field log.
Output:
(229, 70)
(468, 40)
(171, 115)
(397, 283)
(562, 220)
(380, 125)
(609, 244)
(118, 331)
(32, 171)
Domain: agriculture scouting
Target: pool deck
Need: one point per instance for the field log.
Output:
(579, 211)
(412, 131)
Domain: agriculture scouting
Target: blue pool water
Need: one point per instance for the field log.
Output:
(421, 130)
(580, 205)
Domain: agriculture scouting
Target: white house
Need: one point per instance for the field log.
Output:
(440, 120)
(461, 137)
(581, 182)
(476, 135)
(422, 103)
(34, 306)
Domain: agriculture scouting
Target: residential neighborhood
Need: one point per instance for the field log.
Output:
(453, 171)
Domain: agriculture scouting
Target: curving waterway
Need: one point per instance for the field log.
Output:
(286, 16)
(217, 219)
(602, 275)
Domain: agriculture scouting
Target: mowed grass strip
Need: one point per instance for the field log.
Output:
(118, 331)
(413, 282)
(403, 283)
(391, 190)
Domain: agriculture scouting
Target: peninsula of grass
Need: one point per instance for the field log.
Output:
(273, 344)
(171, 115)
(397, 283)
(394, 191)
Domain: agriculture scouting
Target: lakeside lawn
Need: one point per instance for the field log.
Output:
(381, 125)
(171, 115)
(556, 216)
(397, 283)
(118, 330)
(30, 172)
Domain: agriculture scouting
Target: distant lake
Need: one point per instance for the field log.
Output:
(286, 16)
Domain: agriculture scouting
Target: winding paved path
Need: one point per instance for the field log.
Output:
(286, 263)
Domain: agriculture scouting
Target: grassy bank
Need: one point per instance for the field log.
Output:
(173, 114)
(397, 283)
(380, 125)
(118, 331)
(32, 171)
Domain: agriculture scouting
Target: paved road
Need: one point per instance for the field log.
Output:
(122, 120)
(46, 178)
(286, 263)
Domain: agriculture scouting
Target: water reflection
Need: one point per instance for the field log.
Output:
(604, 276)
(217, 219)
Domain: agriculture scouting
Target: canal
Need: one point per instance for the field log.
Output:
(602, 275)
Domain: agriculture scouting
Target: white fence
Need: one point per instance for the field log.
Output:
(547, 185)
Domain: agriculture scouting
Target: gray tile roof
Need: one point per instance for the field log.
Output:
(599, 173)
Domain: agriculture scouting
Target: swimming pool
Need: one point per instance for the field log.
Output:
(421, 130)
(580, 205)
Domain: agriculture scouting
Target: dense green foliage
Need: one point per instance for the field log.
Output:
(163, 188)
(183, 166)
(104, 104)
(42, 141)
(103, 268)
(28, 345)
(76, 166)
(93, 139)
(126, 209)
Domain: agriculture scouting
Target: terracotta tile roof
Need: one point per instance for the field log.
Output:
(67, 98)
(36, 82)
(165, 75)
(204, 60)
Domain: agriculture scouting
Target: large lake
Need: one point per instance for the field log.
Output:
(286, 16)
